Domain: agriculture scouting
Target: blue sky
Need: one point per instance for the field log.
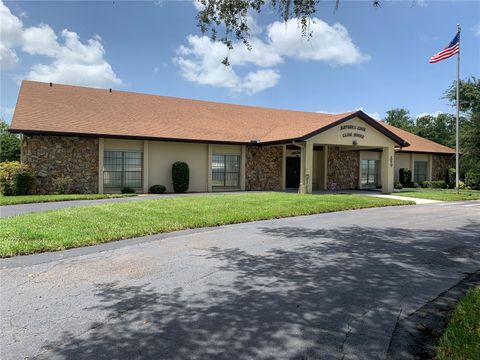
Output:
(359, 56)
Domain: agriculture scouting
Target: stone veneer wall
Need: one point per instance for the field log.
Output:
(440, 165)
(263, 168)
(51, 157)
(343, 168)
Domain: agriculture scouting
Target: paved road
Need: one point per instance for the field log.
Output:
(328, 286)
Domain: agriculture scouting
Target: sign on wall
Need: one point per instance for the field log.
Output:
(354, 131)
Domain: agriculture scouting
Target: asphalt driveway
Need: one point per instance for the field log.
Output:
(328, 286)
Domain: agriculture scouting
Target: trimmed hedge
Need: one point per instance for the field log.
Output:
(405, 177)
(157, 189)
(450, 178)
(127, 190)
(15, 179)
(180, 176)
(436, 184)
(472, 179)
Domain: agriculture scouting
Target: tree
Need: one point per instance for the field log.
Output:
(400, 118)
(439, 128)
(469, 95)
(9, 144)
(469, 100)
(232, 16)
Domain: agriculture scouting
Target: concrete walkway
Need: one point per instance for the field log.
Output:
(381, 195)
(406, 198)
(312, 287)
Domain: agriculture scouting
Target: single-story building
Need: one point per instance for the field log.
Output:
(108, 139)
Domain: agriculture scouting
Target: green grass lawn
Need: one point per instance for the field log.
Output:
(30, 199)
(88, 225)
(461, 340)
(441, 194)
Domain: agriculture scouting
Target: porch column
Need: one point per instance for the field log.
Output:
(209, 167)
(325, 167)
(242, 167)
(430, 166)
(284, 166)
(387, 169)
(101, 148)
(145, 166)
(412, 165)
(308, 166)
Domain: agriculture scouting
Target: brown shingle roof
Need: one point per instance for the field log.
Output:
(66, 109)
(418, 143)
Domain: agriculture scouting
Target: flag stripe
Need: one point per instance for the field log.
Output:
(444, 55)
(452, 48)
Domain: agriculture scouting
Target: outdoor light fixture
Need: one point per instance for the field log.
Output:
(354, 143)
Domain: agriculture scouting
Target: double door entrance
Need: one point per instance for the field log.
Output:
(369, 173)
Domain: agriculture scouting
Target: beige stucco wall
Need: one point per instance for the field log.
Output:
(159, 157)
(335, 135)
(122, 144)
(162, 155)
(318, 169)
(402, 160)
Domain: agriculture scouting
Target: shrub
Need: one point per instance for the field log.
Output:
(62, 184)
(472, 179)
(180, 176)
(398, 186)
(416, 185)
(405, 177)
(127, 190)
(15, 179)
(436, 184)
(450, 178)
(461, 185)
(426, 184)
(157, 189)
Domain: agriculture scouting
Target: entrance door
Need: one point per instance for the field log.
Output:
(369, 177)
(292, 172)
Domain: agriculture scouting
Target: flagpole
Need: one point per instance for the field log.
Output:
(457, 156)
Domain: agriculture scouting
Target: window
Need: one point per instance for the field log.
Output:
(419, 171)
(122, 168)
(225, 170)
(369, 173)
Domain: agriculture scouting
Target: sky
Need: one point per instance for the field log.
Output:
(359, 57)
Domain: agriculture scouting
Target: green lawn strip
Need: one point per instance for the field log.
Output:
(30, 199)
(88, 225)
(461, 339)
(442, 194)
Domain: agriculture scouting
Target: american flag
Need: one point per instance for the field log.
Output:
(452, 49)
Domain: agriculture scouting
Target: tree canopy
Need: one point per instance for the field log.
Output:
(441, 127)
(9, 144)
(400, 118)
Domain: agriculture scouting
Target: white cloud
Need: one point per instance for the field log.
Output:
(476, 30)
(198, 5)
(200, 59)
(375, 115)
(6, 112)
(435, 114)
(40, 40)
(331, 44)
(71, 61)
(421, 3)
